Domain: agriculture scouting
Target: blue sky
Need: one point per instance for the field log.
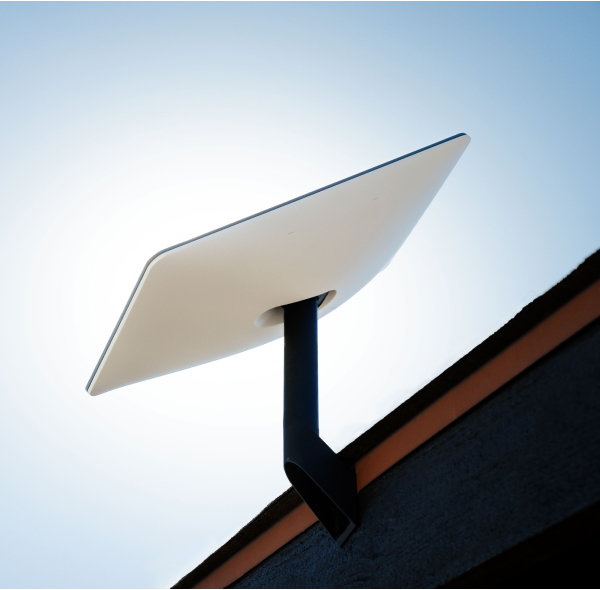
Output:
(126, 128)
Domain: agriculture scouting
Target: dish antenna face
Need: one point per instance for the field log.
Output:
(244, 284)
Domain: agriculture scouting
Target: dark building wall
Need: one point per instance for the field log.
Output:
(523, 460)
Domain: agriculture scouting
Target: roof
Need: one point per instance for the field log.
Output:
(537, 329)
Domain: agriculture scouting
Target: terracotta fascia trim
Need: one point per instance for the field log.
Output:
(528, 318)
(289, 527)
(545, 337)
(539, 328)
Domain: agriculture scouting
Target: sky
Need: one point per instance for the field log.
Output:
(127, 128)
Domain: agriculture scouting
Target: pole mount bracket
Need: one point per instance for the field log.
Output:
(323, 480)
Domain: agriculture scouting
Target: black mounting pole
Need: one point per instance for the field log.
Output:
(324, 481)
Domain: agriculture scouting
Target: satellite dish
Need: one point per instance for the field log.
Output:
(237, 287)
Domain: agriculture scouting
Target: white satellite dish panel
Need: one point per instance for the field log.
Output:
(220, 293)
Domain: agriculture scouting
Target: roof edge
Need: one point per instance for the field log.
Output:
(533, 314)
